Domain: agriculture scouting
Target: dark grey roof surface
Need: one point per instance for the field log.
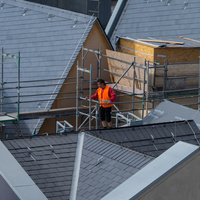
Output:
(159, 19)
(104, 166)
(157, 170)
(152, 139)
(51, 174)
(49, 40)
(168, 111)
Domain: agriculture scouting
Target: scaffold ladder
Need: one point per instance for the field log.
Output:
(89, 115)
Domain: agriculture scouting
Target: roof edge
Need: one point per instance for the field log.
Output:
(153, 172)
(50, 10)
(20, 182)
(104, 33)
(115, 17)
(77, 166)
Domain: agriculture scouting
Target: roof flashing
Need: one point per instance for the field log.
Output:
(153, 172)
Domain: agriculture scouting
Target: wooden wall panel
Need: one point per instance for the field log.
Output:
(179, 70)
(177, 54)
(136, 49)
(120, 67)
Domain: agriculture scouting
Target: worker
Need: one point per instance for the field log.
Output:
(106, 96)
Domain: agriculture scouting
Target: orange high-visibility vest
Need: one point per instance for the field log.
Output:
(104, 97)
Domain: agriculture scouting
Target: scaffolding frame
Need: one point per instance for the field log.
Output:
(89, 115)
(147, 95)
(17, 60)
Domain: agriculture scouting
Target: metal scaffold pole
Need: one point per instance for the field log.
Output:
(199, 87)
(77, 90)
(143, 98)
(78, 113)
(18, 88)
(165, 79)
(90, 94)
(147, 86)
(2, 82)
(133, 95)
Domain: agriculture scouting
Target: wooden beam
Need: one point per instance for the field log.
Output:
(162, 41)
(189, 39)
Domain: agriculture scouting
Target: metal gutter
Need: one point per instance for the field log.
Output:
(77, 165)
(115, 17)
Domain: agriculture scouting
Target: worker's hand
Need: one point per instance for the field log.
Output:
(86, 98)
(110, 102)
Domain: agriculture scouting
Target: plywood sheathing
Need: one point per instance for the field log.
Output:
(95, 40)
(176, 55)
(120, 67)
(179, 70)
(136, 49)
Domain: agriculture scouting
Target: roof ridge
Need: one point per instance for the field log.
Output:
(122, 147)
(51, 10)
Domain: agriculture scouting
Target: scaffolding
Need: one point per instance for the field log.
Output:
(148, 94)
(93, 114)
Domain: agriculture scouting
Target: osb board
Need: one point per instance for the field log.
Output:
(178, 70)
(121, 67)
(177, 54)
(186, 100)
(136, 49)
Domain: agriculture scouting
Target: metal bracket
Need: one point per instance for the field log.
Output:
(63, 127)
(126, 118)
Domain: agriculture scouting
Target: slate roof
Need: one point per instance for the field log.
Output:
(15, 183)
(168, 111)
(104, 165)
(157, 19)
(156, 172)
(51, 174)
(49, 40)
(152, 139)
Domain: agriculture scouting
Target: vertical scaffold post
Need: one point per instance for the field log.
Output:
(99, 61)
(77, 74)
(143, 98)
(2, 82)
(133, 97)
(199, 87)
(147, 86)
(18, 88)
(165, 79)
(90, 93)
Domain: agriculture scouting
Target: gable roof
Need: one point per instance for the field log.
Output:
(168, 111)
(153, 19)
(98, 165)
(153, 139)
(16, 186)
(48, 160)
(49, 40)
(153, 172)
(104, 166)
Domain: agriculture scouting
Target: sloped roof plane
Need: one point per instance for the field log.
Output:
(168, 111)
(154, 171)
(17, 179)
(153, 19)
(152, 139)
(49, 40)
(83, 167)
